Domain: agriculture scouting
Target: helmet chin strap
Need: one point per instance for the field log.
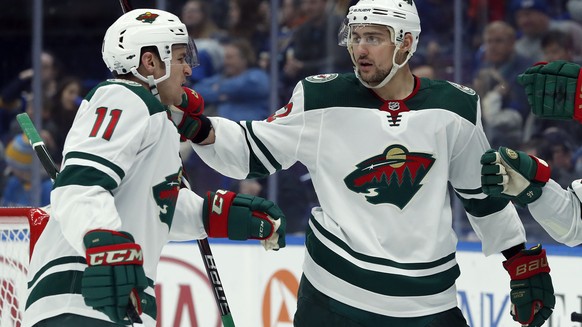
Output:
(152, 82)
(395, 68)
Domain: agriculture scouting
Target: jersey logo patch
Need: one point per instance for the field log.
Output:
(463, 88)
(392, 177)
(321, 78)
(166, 196)
(394, 108)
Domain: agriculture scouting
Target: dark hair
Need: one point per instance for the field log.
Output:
(245, 48)
(561, 38)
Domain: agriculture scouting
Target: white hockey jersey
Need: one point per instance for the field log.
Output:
(382, 240)
(121, 171)
(559, 212)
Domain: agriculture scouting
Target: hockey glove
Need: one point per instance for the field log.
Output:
(242, 217)
(554, 89)
(114, 275)
(194, 125)
(532, 292)
(514, 175)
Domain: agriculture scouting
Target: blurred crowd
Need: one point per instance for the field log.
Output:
(499, 40)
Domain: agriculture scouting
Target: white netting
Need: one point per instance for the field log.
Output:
(14, 240)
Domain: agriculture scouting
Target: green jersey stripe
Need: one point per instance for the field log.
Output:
(377, 260)
(97, 159)
(378, 282)
(483, 207)
(262, 147)
(153, 105)
(54, 284)
(56, 262)
(69, 282)
(469, 191)
(85, 176)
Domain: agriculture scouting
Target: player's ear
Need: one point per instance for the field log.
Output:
(407, 42)
(149, 62)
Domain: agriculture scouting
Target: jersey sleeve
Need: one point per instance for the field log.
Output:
(558, 212)
(252, 149)
(102, 143)
(185, 225)
(494, 220)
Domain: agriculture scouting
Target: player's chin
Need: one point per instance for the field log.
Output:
(370, 79)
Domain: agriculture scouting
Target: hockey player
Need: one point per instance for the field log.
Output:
(118, 200)
(554, 92)
(382, 146)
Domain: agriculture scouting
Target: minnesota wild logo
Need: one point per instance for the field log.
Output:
(147, 17)
(392, 177)
(166, 196)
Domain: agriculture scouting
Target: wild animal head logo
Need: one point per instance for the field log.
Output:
(166, 196)
(147, 17)
(392, 177)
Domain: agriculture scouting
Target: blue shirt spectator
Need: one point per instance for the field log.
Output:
(241, 90)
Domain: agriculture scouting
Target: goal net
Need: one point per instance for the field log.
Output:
(14, 257)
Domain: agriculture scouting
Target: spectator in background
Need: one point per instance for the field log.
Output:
(315, 49)
(533, 22)
(241, 90)
(246, 21)
(502, 125)
(196, 15)
(574, 8)
(290, 18)
(498, 54)
(558, 151)
(426, 71)
(17, 189)
(436, 48)
(558, 45)
(63, 108)
(14, 95)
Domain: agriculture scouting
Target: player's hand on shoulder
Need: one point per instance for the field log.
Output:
(513, 174)
(193, 125)
(532, 292)
(114, 275)
(242, 217)
(553, 89)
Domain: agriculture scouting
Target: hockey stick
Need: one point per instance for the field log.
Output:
(205, 251)
(51, 168)
(125, 5)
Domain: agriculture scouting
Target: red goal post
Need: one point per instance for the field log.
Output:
(19, 231)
